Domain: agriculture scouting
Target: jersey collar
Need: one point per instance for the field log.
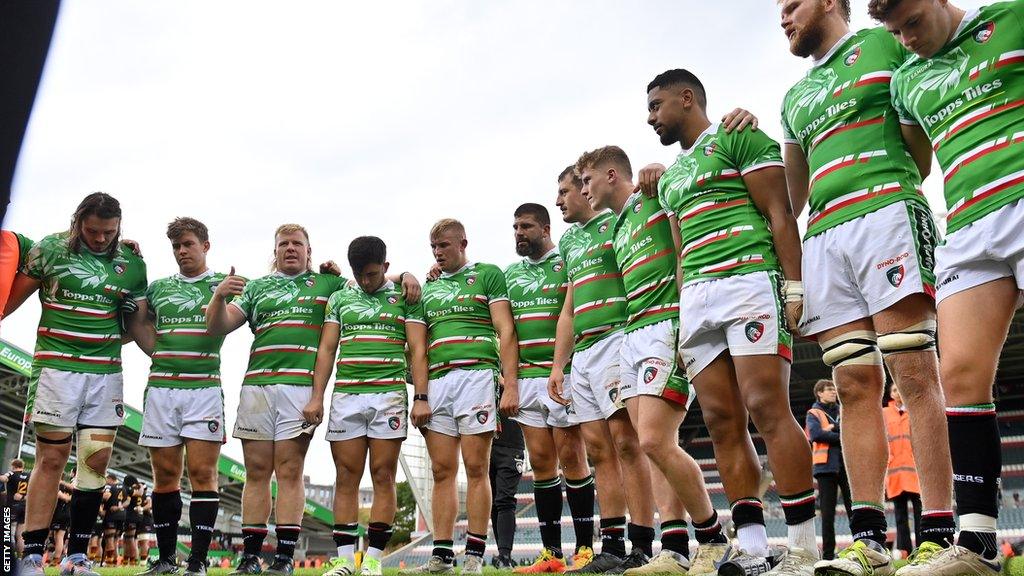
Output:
(831, 51)
(280, 274)
(194, 279)
(969, 17)
(709, 130)
(547, 256)
(450, 274)
(387, 285)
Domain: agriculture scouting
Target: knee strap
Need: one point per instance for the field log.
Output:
(858, 347)
(916, 338)
(92, 441)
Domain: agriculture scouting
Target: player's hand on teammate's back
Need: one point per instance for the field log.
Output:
(556, 384)
(231, 285)
(739, 119)
(313, 412)
(411, 289)
(647, 180)
(420, 414)
(133, 246)
(330, 267)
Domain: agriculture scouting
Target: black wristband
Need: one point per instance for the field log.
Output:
(419, 397)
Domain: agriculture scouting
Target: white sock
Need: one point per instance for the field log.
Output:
(803, 536)
(754, 539)
(347, 551)
(374, 552)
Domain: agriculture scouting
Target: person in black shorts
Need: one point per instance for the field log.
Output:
(16, 481)
(133, 518)
(61, 521)
(115, 500)
(507, 462)
(144, 533)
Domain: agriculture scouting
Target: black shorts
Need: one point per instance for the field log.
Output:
(61, 519)
(147, 524)
(114, 521)
(134, 522)
(18, 513)
(97, 528)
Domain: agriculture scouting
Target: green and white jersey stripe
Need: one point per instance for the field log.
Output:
(285, 314)
(185, 355)
(458, 313)
(537, 290)
(722, 232)
(841, 116)
(969, 98)
(80, 295)
(646, 257)
(371, 347)
(598, 296)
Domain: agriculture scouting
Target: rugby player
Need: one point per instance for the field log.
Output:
(183, 411)
(115, 500)
(589, 331)
(16, 482)
(285, 311)
(537, 285)
(471, 333)
(90, 281)
(655, 386)
(367, 328)
(740, 245)
(868, 262)
(59, 523)
(964, 87)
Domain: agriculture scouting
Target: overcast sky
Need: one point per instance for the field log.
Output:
(361, 118)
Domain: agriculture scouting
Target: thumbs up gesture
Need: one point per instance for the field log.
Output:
(230, 286)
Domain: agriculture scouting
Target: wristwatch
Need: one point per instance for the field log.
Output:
(416, 397)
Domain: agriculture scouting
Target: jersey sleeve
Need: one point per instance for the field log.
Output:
(752, 151)
(336, 282)
(24, 246)
(787, 131)
(333, 313)
(902, 110)
(495, 287)
(414, 313)
(35, 262)
(246, 299)
(137, 291)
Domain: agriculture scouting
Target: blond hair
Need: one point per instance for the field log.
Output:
(447, 225)
(291, 229)
(605, 155)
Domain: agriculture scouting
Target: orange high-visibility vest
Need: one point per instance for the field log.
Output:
(819, 450)
(10, 256)
(901, 473)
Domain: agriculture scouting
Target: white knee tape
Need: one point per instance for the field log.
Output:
(858, 347)
(916, 338)
(92, 441)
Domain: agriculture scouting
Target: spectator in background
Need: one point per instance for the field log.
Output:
(507, 462)
(16, 481)
(901, 482)
(823, 431)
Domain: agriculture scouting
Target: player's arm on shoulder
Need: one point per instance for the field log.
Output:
(797, 176)
(411, 289)
(919, 146)
(141, 328)
(22, 287)
(221, 318)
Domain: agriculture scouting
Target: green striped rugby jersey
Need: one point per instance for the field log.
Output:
(969, 98)
(80, 295)
(646, 256)
(185, 355)
(841, 116)
(722, 232)
(598, 296)
(285, 314)
(371, 347)
(457, 308)
(537, 290)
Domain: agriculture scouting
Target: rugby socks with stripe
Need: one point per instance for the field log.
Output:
(548, 497)
(641, 538)
(613, 532)
(675, 538)
(287, 536)
(85, 507)
(938, 527)
(709, 531)
(345, 537)
(977, 462)
(35, 542)
(580, 496)
(476, 544)
(799, 511)
(378, 534)
(445, 550)
(252, 538)
(166, 515)
(202, 515)
(867, 522)
(748, 517)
